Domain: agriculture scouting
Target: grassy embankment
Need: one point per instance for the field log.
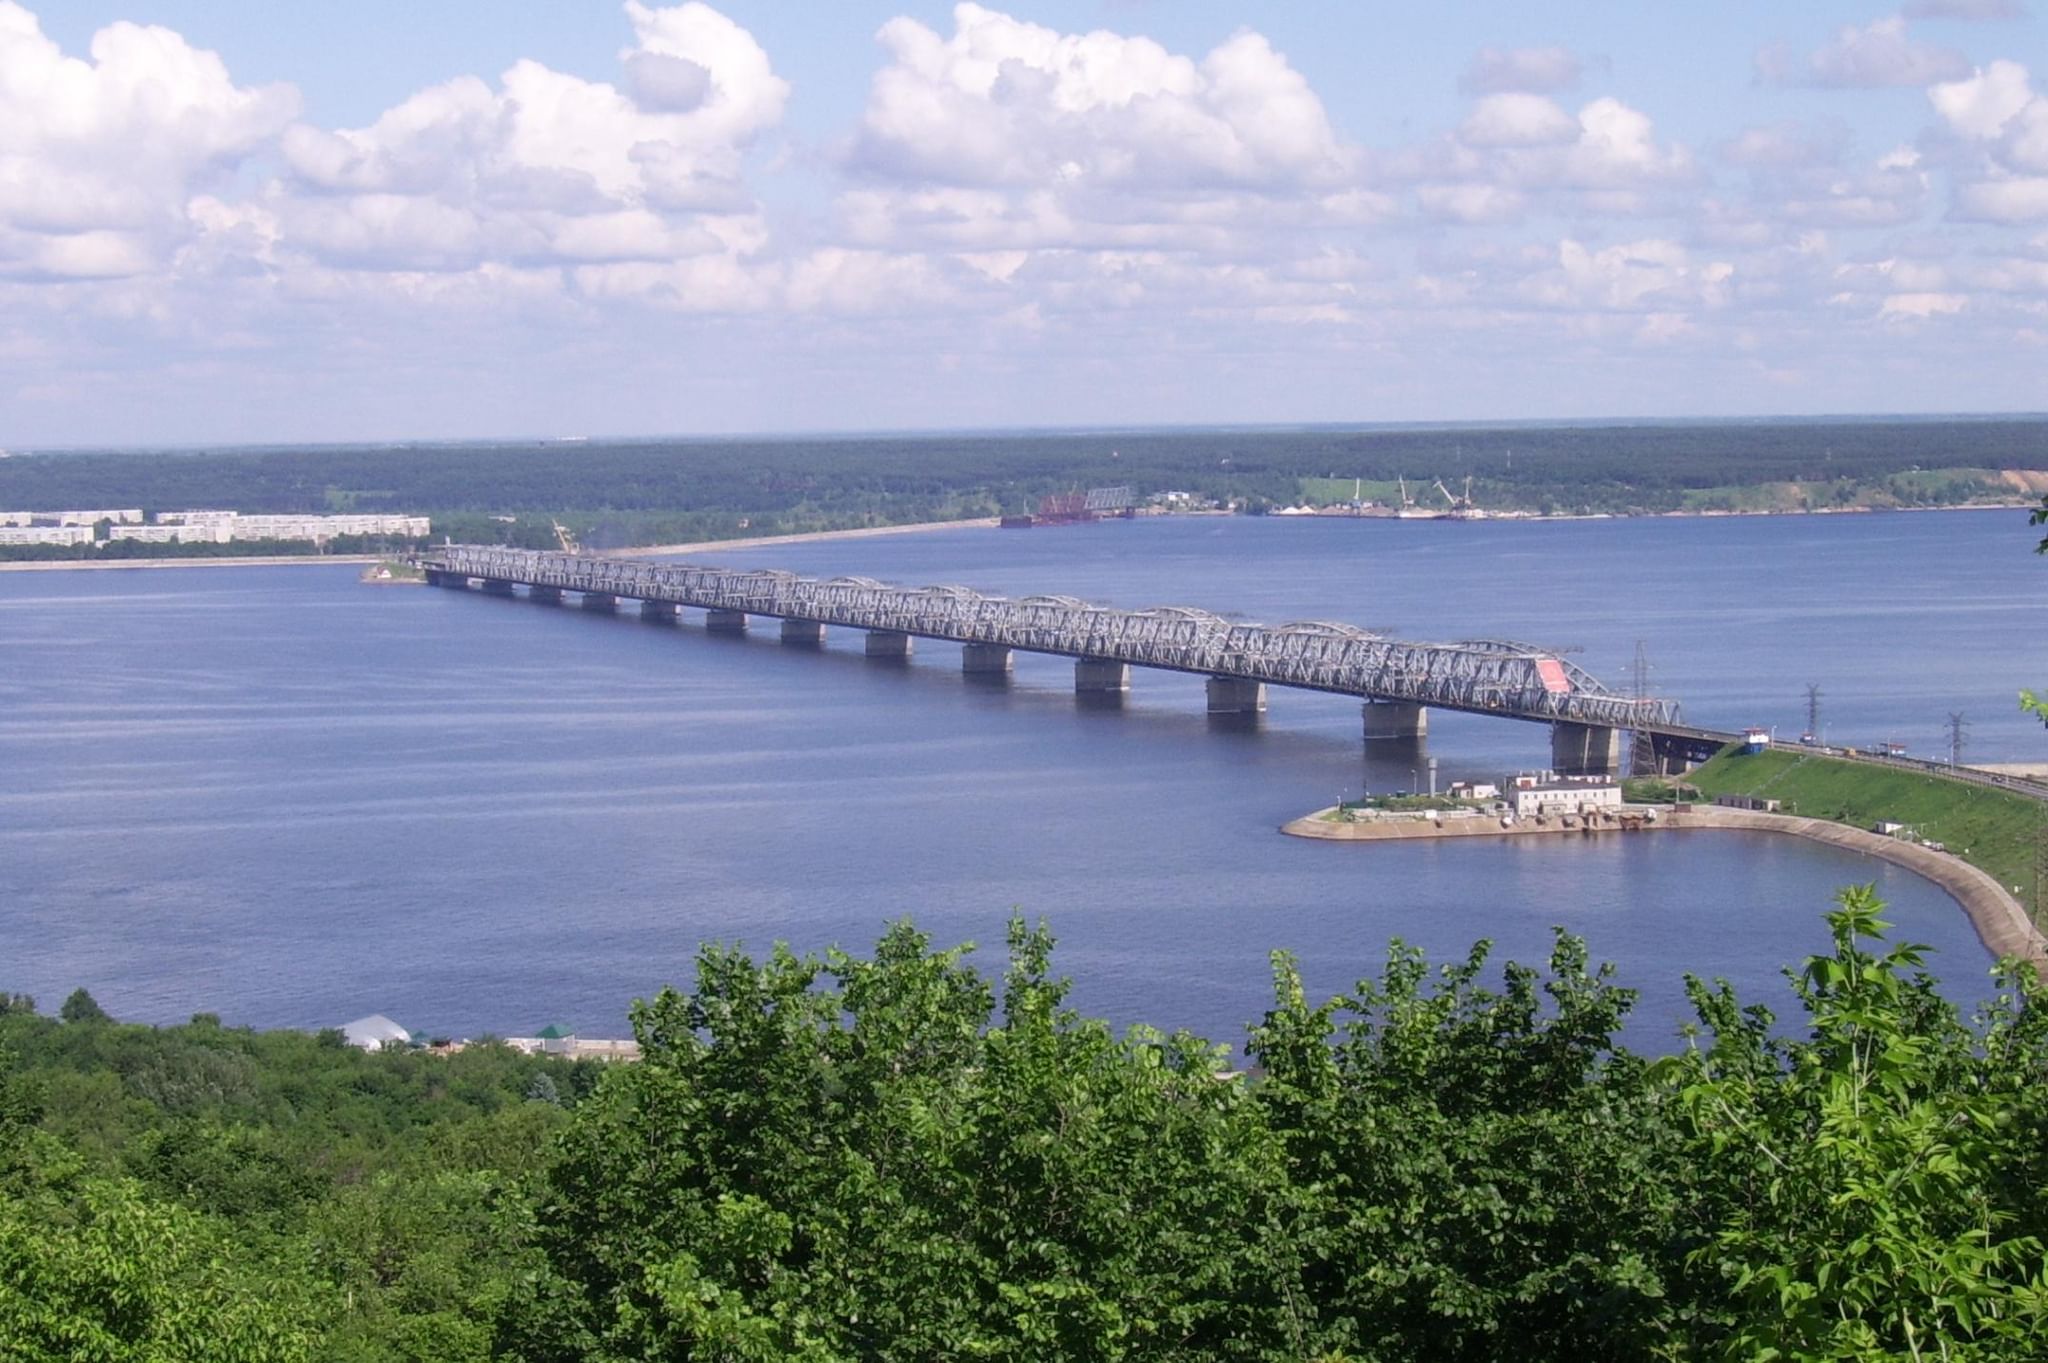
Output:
(1994, 830)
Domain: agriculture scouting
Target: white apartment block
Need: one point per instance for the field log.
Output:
(130, 516)
(19, 533)
(169, 534)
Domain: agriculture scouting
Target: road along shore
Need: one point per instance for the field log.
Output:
(2001, 921)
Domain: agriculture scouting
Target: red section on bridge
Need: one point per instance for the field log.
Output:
(1552, 673)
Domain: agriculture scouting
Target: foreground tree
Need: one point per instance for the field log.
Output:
(1875, 1188)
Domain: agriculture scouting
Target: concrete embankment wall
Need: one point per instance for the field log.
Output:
(2000, 920)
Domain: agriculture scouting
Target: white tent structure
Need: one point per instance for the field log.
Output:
(372, 1032)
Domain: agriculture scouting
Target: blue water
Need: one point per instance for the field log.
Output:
(292, 799)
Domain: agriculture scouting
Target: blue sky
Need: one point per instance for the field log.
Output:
(231, 221)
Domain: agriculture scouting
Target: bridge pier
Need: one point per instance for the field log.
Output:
(546, 596)
(1584, 750)
(600, 601)
(658, 612)
(494, 586)
(1236, 696)
(725, 622)
(986, 660)
(1395, 719)
(803, 633)
(453, 581)
(887, 643)
(1101, 676)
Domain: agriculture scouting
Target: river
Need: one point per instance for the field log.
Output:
(283, 796)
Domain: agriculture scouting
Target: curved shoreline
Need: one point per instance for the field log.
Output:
(2000, 921)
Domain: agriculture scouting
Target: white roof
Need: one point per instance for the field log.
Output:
(373, 1031)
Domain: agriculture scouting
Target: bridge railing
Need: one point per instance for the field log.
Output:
(1484, 676)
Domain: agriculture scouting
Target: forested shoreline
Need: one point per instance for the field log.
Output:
(896, 1156)
(616, 493)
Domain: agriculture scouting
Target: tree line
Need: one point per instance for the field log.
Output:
(894, 1156)
(659, 491)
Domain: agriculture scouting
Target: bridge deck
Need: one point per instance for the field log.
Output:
(1491, 677)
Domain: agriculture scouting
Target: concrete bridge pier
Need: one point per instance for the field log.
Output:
(1584, 750)
(496, 587)
(658, 612)
(803, 633)
(1236, 696)
(1395, 719)
(1101, 676)
(1671, 756)
(600, 601)
(546, 596)
(452, 581)
(725, 622)
(986, 660)
(888, 644)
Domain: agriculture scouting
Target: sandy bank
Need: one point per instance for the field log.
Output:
(2000, 920)
(805, 537)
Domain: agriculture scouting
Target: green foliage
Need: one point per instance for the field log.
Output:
(895, 1157)
(1865, 1204)
(82, 1007)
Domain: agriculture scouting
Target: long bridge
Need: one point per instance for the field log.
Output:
(1399, 681)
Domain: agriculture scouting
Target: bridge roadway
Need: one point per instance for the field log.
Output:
(1398, 680)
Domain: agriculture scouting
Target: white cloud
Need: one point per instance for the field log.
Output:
(1517, 120)
(547, 166)
(2005, 124)
(1533, 70)
(1982, 103)
(1009, 103)
(1879, 54)
(98, 157)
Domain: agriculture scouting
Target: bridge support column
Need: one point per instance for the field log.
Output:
(803, 633)
(453, 581)
(887, 643)
(658, 612)
(1236, 696)
(1584, 750)
(546, 596)
(725, 622)
(1670, 756)
(986, 660)
(1100, 676)
(494, 587)
(1395, 719)
(600, 601)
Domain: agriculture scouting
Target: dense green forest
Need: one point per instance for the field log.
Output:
(656, 491)
(896, 1157)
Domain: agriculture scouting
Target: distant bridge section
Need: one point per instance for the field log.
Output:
(1398, 680)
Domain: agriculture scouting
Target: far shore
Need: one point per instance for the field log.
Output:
(922, 527)
(2000, 920)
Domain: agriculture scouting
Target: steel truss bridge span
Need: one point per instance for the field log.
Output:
(1482, 676)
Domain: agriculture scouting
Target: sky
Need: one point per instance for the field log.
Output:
(231, 221)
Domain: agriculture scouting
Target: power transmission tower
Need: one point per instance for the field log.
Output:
(1958, 731)
(1642, 758)
(1813, 711)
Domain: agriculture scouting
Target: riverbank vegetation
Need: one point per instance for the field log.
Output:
(896, 1157)
(1996, 831)
(610, 494)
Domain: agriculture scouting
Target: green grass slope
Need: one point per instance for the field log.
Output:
(1991, 829)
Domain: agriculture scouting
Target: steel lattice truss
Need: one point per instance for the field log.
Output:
(1486, 676)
